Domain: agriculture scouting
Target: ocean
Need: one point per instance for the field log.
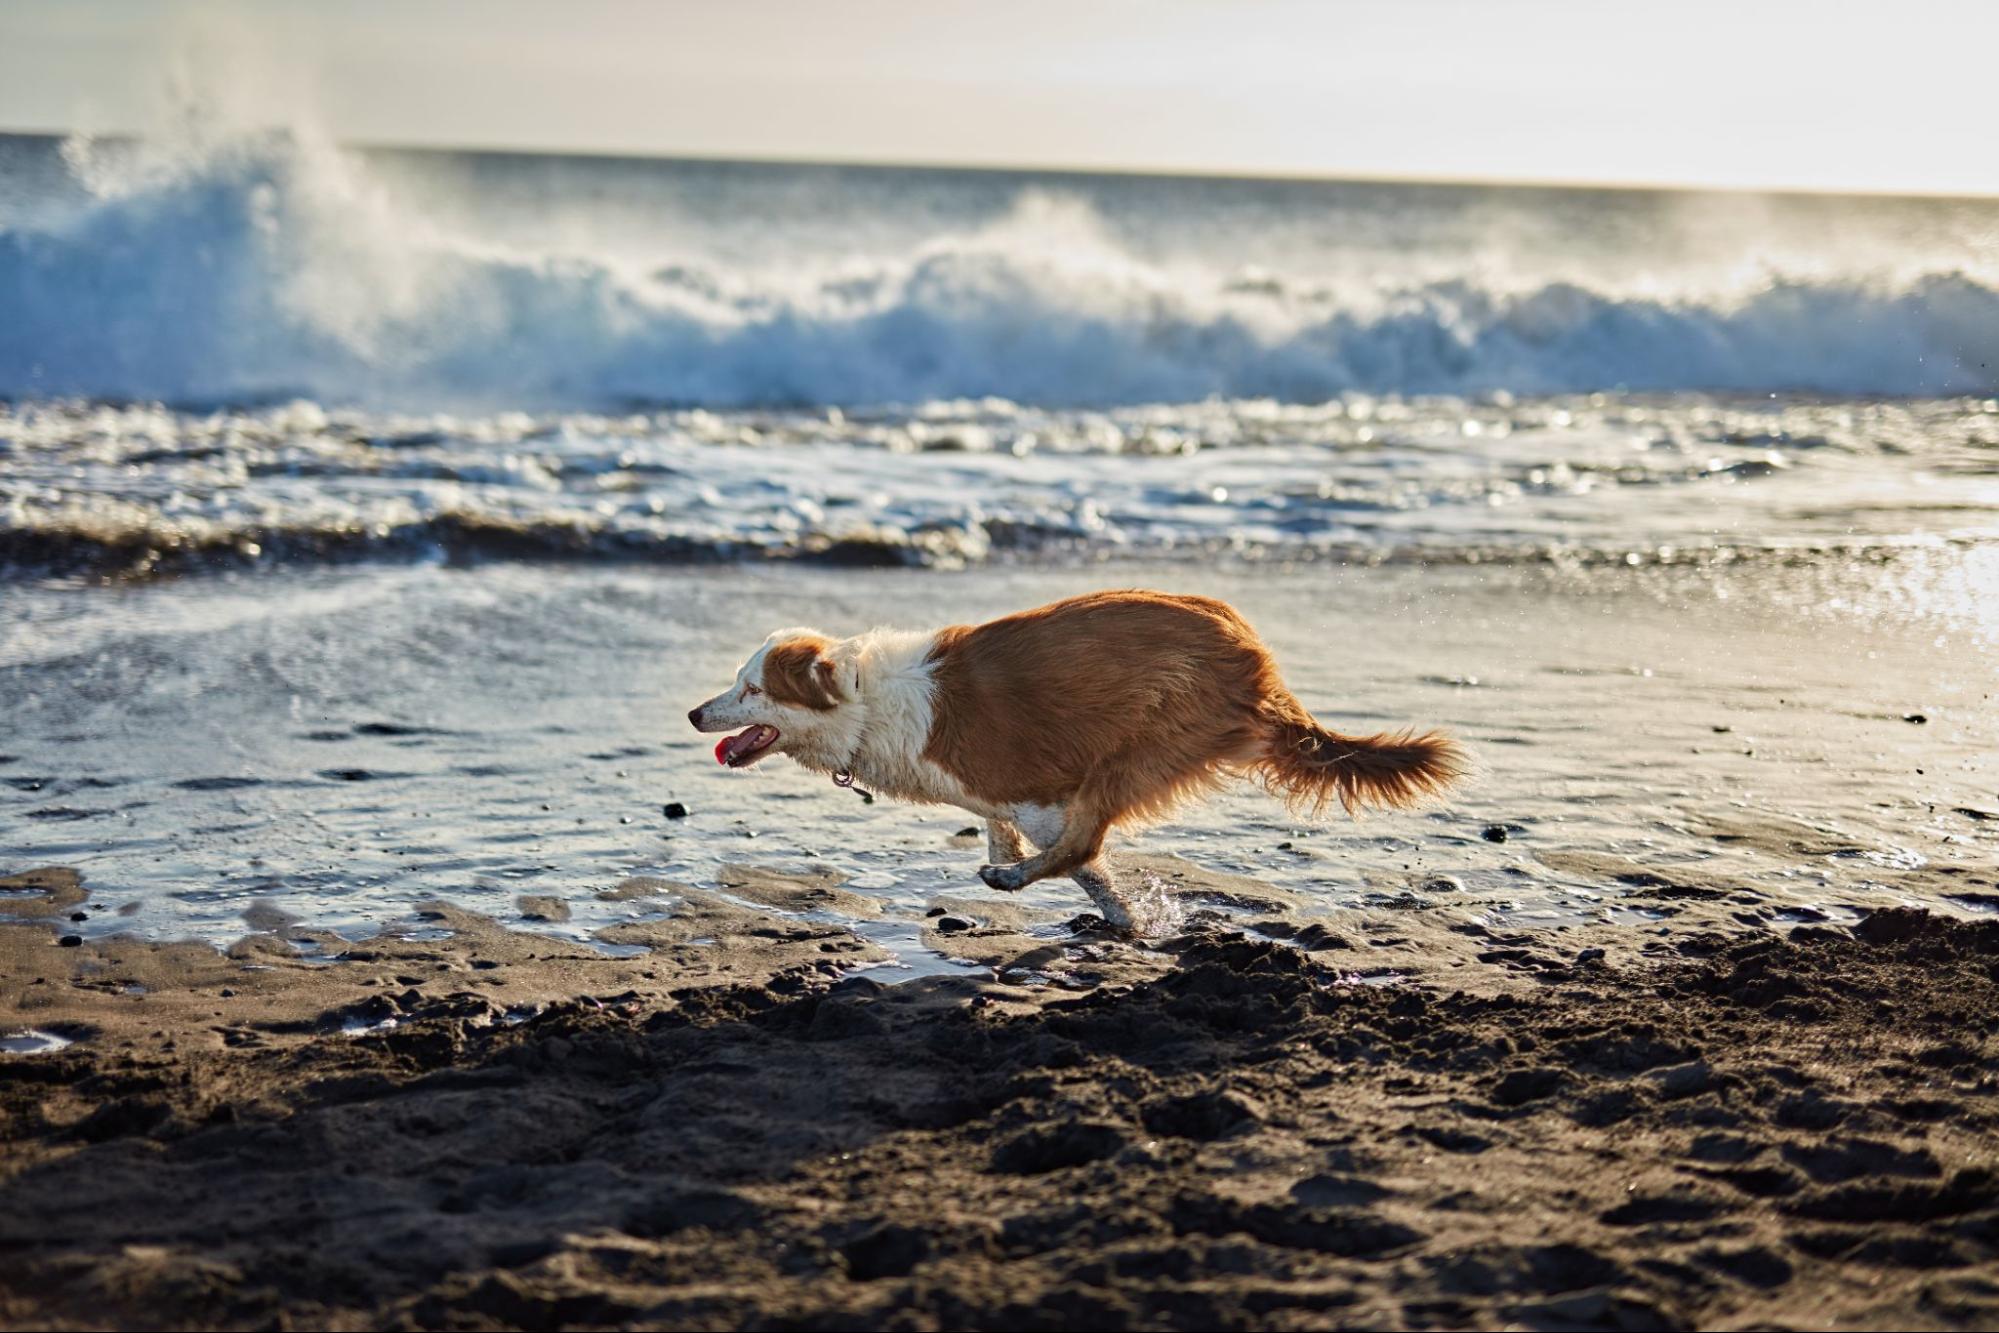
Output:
(370, 518)
(272, 351)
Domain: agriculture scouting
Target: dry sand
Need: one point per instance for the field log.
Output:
(1576, 1128)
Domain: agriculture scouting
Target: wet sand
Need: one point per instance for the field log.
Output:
(399, 1001)
(1384, 1116)
(339, 747)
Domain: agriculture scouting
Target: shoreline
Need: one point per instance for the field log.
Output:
(1671, 1052)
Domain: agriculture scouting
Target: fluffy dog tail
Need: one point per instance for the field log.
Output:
(1307, 765)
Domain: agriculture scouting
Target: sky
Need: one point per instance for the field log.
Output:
(1782, 94)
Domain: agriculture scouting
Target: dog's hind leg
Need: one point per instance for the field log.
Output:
(1004, 843)
(1096, 880)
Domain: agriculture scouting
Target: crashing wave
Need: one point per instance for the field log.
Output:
(269, 267)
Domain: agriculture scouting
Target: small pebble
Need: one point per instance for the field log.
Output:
(1916, 718)
(1286, 846)
(1494, 833)
(951, 925)
(971, 832)
(70, 941)
(79, 916)
(674, 810)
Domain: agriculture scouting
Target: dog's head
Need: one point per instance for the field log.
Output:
(789, 694)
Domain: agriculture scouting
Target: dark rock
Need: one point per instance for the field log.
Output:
(70, 941)
(1916, 718)
(951, 925)
(972, 832)
(674, 810)
(79, 916)
(1494, 833)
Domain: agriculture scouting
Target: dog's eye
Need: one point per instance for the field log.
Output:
(751, 691)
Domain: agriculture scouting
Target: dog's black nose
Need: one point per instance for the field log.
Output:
(694, 717)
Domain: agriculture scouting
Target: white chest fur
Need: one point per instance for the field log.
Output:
(883, 742)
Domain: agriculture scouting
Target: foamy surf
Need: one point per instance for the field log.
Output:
(270, 266)
(92, 488)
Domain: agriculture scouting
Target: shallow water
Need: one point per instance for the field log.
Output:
(369, 521)
(333, 748)
(32, 1041)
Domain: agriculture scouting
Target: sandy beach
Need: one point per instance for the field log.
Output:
(1227, 1128)
(1668, 1020)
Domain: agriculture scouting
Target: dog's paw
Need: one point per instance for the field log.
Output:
(1007, 879)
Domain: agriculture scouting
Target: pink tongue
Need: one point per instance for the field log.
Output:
(730, 746)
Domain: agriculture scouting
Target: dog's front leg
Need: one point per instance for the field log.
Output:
(1080, 841)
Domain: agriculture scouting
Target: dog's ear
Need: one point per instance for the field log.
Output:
(829, 678)
(798, 672)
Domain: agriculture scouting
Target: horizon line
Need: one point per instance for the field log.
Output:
(1269, 176)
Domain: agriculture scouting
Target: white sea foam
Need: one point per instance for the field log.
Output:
(272, 264)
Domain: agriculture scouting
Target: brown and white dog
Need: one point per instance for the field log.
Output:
(1060, 724)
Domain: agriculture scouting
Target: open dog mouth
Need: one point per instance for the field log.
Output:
(745, 746)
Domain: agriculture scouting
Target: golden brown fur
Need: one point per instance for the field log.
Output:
(1120, 705)
(796, 672)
